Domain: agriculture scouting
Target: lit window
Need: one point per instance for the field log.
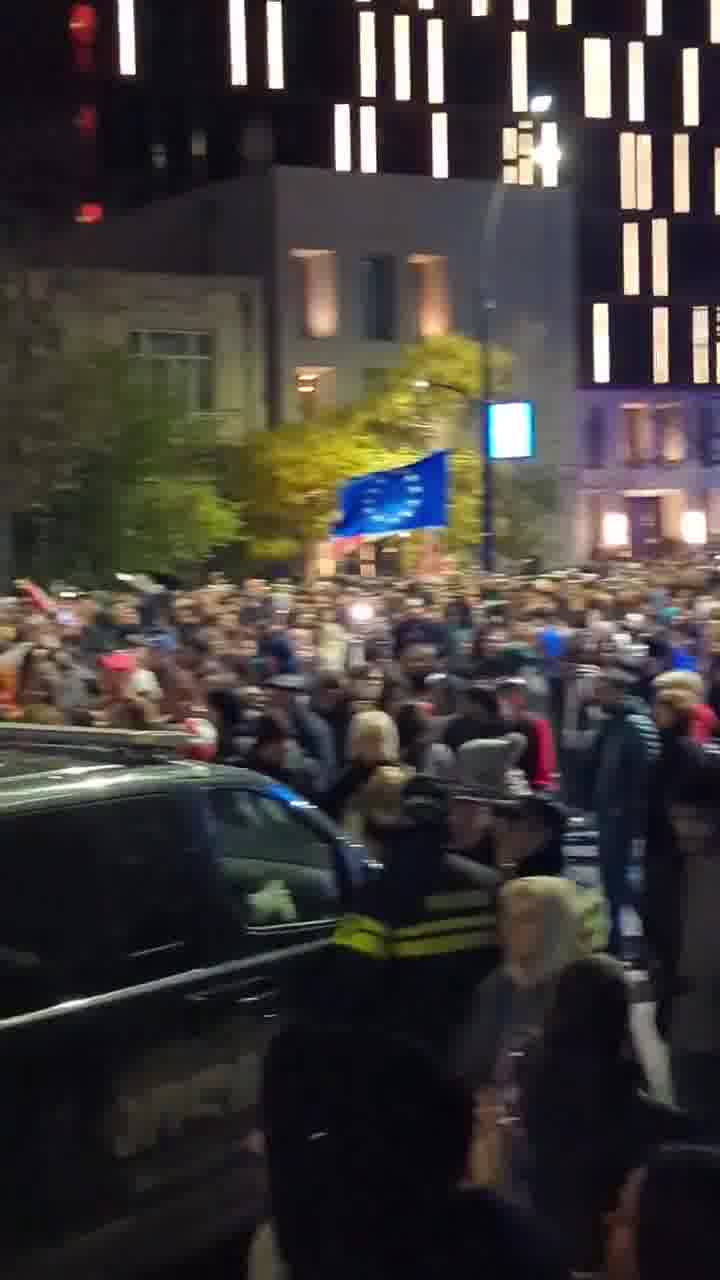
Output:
(717, 180)
(691, 87)
(127, 37)
(654, 17)
(628, 171)
(631, 258)
(368, 140)
(521, 10)
(548, 154)
(660, 258)
(343, 150)
(661, 345)
(435, 60)
(440, 164)
(426, 4)
(681, 173)
(519, 62)
(510, 144)
(598, 79)
(636, 81)
(275, 52)
(368, 55)
(480, 8)
(563, 13)
(701, 344)
(601, 342)
(638, 434)
(644, 171)
(715, 21)
(403, 80)
(432, 293)
(319, 314)
(238, 42)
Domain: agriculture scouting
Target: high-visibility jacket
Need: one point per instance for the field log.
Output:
(417, 942)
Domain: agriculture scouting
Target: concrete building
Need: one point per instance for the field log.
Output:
(353, 266)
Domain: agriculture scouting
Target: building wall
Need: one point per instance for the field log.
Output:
(104, 307)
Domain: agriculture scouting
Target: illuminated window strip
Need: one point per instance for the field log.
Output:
(368, 140)
(403, 72)
(636, 81)
(521, 10)
(368, 54)
(660, 258)
(519, 65)
(275, 45)
(631, 259)
(715, 21)
(701, 345)
(237, 17)
(661, 345)
(598, 78)
(127, 37)
(717, 180)
(564, 13)
(343, 140)
(548, 154)
(691, 87)
(480, 9)
(426, 4)
(644, 171)
(440, 160)
(510, 144)
(681, 173)
(435, 60)
(628, 171)
(601, 342)
(654, 17)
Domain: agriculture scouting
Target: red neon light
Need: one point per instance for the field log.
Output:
(83, 23)
(86, 121)
(89, 213)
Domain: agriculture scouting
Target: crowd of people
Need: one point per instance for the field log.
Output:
(467, 1086)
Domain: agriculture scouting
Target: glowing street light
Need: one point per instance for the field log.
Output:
(694, 528)
(541, 103)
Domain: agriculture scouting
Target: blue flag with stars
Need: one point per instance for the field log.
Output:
(386, 502)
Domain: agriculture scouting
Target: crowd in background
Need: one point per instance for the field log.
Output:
(469, 1085)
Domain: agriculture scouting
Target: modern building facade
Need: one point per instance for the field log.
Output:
(164, 94)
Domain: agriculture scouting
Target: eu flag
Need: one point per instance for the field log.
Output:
(384, 502)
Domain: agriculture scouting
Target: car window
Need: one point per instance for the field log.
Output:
(273, 868)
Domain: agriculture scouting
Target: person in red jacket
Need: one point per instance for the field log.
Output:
(539, 759)
(704, 724)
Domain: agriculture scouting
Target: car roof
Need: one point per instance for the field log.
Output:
(30, 781)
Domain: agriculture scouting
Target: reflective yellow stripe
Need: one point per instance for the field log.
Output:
(481, 920)
(441, 946)
(452, 901)
(363, 934)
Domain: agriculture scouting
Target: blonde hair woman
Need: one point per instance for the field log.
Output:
(366, 797)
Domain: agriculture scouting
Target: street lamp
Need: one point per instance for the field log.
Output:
(541, 103)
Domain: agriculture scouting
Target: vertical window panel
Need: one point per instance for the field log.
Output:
(691, 87)
(440, 165)
(343, 145)
(598, 78)
(521, 10)
(548, 154)
(628, 171)
(601, 342)
(636, 81)
(237, 18)
(480, 9)
(368, 140)
(644, 171)
(660, 258)
(654, 17)
(275, 49)
(714, 21)
(717, 180)
(519, 66)
(681, 173)
(563, 13)
(701, 344)
(403, 73)
(127, 37)
(436, 60)
(631, 259)
(368, 54)
(510, 144)
(426, 4)
(661, 345)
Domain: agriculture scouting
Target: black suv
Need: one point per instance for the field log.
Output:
(158, 919)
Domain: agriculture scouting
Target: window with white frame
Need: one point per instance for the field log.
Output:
(179, 362)
(636, 81)
(598, 78)
(691, 87)
(636, 171)
(681, 173)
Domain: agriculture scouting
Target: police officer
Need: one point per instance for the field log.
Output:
(423, 934)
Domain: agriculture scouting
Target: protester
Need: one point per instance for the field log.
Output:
(538, 760)
(311, 732)
(479, 717)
